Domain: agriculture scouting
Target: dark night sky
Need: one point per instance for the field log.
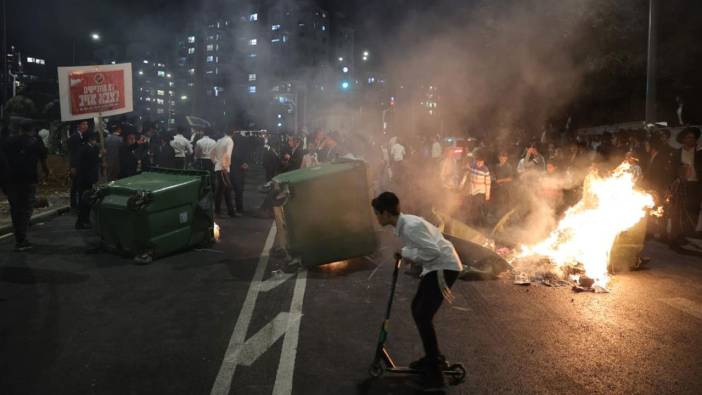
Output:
(46, 28)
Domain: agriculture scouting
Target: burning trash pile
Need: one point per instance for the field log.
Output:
(578, 251)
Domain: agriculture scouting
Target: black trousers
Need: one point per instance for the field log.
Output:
(223, 190)
(21, 198)
(238, 178)
(75, 196)
(84, 205)
(180, 163)
(425, 305)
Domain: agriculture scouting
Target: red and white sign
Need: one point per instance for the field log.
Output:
(93, 91)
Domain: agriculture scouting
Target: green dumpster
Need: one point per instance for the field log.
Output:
(324, 213)
(155, 213)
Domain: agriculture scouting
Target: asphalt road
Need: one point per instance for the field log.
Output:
(229, 320)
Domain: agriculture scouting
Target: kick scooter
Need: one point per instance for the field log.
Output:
(383, 363)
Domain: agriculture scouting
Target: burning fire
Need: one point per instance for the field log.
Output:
(216, 232)
(585, 235)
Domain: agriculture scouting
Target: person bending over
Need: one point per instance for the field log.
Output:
(426, 246)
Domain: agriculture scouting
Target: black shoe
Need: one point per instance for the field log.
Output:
(23, 246)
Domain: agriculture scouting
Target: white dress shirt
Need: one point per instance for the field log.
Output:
(222, 153)
(425, 245)
(181, 146)
(204, 147)
(688, 158)
(397, 151)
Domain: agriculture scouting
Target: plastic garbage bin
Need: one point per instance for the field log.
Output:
(155, 213)
(324, 213)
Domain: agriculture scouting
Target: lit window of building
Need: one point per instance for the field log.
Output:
(171, 83)
(159, 111)
(210, 47)
(210, 59)
(252, 88)
(191, 51)
(253, 42)
(252, 55)
(253, 17)
(191, 71)
(252, 77)
(275, 27)
(191, 39)
(160, 101)
(160, 92)
(275, 40)
(324, 28)
(161, 73)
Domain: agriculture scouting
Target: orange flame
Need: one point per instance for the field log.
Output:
(585, 235)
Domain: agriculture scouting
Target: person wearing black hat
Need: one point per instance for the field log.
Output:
(113, 143)
(687, 162)
(128, 156)
(22, 152)
(87, 176)
(74, 144)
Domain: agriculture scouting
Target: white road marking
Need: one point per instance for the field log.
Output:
(264, 339)
(286, 366)
(6, 236)
(685, 305)
(273, 282)
(223, 382)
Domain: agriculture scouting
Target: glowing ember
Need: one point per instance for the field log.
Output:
(588, 230)
(215, 232)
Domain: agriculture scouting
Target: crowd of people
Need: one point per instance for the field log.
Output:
(477, 180)
(489, 178)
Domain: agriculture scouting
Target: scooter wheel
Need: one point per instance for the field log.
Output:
(376, 370)
(458, 374)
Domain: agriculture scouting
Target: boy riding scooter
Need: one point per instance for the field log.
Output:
(425, 246)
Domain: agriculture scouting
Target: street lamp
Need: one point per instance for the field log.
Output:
(366, 54)
(94, 37)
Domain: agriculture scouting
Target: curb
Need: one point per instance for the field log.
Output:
(7, 229)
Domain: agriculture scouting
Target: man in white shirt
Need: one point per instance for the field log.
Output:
(397, 156)
(687, 189)
(182, 147)
(426, 246)
(222, 158)
(203, 151)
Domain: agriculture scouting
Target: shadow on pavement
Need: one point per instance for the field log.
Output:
(392, 385)
(25, 275)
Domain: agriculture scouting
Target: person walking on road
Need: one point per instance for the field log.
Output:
(222, 158)
(88, 174)
(22, 153)
(425, 246)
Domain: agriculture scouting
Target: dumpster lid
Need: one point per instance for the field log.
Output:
(297, 176)
(155, 181)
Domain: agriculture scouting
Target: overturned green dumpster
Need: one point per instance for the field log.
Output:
(155, 213)
(323, 213)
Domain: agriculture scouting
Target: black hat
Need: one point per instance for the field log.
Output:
(686, 131)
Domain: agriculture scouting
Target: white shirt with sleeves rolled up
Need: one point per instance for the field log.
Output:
(222, 153)
(181, 146)
(425, 245)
